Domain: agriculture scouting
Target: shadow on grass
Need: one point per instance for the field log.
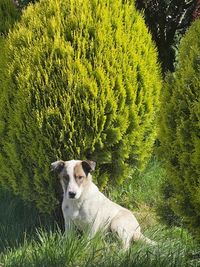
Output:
(18, 220)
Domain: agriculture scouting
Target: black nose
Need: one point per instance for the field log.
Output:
(72, 195)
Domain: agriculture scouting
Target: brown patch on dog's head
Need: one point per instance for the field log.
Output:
(79, 174)
(81, 171)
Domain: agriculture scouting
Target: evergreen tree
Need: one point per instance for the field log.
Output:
(167, 20)
(8, 15)
(180, 132)
(83, 82)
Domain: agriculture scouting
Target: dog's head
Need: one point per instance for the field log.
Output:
(74, 175)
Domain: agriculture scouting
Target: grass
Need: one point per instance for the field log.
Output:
(28, 238)
(53, 249)
(140, 188)
(18, 220)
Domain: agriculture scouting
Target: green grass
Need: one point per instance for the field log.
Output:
(53, 249)
(18, 220)
(28, 238)
(140, 188)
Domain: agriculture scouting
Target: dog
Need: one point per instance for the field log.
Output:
(86, 207)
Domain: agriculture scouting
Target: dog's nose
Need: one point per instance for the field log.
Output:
(72, 195)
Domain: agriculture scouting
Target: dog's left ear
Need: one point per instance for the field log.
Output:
(88, 166)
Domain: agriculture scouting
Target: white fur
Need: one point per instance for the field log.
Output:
(92, 210)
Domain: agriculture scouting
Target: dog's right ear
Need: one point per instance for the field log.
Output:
(57, 166)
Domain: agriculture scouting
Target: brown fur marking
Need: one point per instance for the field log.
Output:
(79, 174)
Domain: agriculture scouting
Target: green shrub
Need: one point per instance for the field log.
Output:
(180, 131)
(3, 78)
(84, 83)
(3, 59)
(8, 15)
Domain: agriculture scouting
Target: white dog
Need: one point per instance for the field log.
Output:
(85, 206)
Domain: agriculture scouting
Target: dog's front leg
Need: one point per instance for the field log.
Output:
(66, 216)
(67, 225)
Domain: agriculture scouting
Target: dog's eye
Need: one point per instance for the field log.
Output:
(80, 177)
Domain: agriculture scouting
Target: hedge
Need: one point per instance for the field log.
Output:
(84, 82)
(180, 132)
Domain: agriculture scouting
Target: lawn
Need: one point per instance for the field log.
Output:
(29, 238)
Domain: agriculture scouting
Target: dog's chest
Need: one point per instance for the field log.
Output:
(81, 214)
(82, 218)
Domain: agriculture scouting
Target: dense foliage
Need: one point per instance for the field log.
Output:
(8, 15)
(167, 21)
(180, 132)
(83, 83)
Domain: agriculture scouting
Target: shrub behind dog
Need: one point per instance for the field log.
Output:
(8, 15)
(180, 133)
(84, 83)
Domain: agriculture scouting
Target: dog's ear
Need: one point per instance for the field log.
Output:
(88, 166)
(57, 166)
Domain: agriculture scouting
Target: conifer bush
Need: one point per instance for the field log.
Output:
(8, 15)
(83, 82)
(180, 132)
